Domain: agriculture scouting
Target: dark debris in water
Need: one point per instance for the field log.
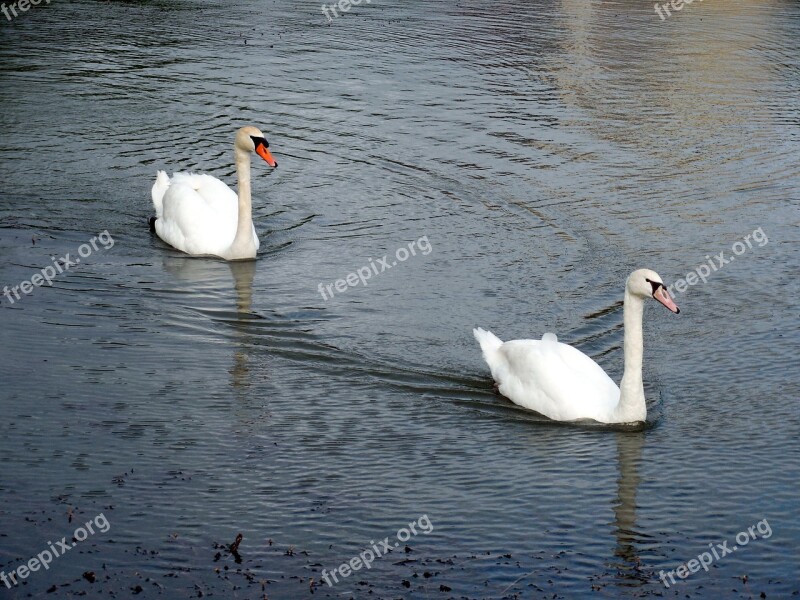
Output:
(270, 569)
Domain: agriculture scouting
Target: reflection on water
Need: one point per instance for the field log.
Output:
(199, 273)
(544, 151)
(243, 273)
(629, 454)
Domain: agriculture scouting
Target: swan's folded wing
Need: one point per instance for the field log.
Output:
(556, 380)
(194, 220)
(215, 193)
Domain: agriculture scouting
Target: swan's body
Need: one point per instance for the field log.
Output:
(564, 384)
(541, 375)
(197, 214)
(201, 215)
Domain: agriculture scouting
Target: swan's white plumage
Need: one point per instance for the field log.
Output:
(561, 382)
(552, 378)
(158, 191)
(196, 213)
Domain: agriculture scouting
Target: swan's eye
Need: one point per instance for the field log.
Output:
(259, 140)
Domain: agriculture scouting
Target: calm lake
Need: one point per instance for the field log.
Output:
(535, 153)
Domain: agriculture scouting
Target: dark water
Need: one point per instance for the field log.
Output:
(544, 150)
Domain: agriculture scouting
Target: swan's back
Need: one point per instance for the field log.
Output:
(552, 378)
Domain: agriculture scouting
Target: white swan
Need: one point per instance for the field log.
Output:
(561, 382)
(200, 215)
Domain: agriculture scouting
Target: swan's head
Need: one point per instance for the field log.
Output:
(648, 284)
(250, 139)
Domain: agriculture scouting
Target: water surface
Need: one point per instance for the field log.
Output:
(544, 151)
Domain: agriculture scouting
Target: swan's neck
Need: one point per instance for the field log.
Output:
(243, 245)
(631, 406)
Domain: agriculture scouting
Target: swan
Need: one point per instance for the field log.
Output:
(564, 384)
(199, 215)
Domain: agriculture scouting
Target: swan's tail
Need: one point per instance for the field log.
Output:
(489, 342)
(158, 191)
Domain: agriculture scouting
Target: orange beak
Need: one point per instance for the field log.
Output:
(662, 295)
(264, 153)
